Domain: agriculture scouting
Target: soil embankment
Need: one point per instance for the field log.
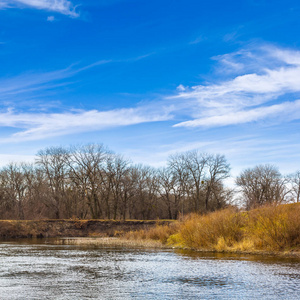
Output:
(71, 228)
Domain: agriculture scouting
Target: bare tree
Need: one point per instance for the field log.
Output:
(87, 171)
(118, 169)
(90, 181)
(218, 170)
(262, 185)
(200, 175)
(53, 162)
(14, 188)
(294, 180)
(146, 194)
(171, 192)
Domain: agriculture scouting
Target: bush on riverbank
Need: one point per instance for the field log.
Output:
(158, 233)
(270, 228)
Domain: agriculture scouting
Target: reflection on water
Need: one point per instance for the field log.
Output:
(41, 270)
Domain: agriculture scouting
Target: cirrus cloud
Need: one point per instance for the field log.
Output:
(64, 7)
(261, 93)
(37, 126)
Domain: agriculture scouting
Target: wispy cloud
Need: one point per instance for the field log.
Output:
(36, 126)
(64, 7)
(241, 150)
(41, 123)
(50, 18)
(286, 111)
(32, 82)
(268, 92)
(250, 96)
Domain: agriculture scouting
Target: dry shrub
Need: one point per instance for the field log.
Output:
(219, 229)
(245, 244)
(275, 227)
(221, 245)
(159, 233)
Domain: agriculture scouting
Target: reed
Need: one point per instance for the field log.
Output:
(158, 233)
(110, 242)
(269, 228)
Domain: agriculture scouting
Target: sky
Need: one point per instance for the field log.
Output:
(149, 79)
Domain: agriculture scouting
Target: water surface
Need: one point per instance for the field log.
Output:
(47, 271)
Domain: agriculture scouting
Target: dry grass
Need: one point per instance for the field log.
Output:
(266, 229)
(269, 228)
(275, 227)
(211, 230)
(111, 242)
(159, 233)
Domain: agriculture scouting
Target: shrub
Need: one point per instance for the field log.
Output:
(159, 233)
(275, 227)
(207, 231)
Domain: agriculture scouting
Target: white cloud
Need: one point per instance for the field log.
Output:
(247, 97)
(290, 110)
(180, 88)
(269, 92)
(3, 4)
(36, 126)
(50, 18)
(31, 82)
(64, 7)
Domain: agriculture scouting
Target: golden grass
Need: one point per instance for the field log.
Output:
(270, 228)
(159, 233)
(111, 242)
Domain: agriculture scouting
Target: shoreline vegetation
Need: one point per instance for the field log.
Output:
(92, 182)
(268, 230)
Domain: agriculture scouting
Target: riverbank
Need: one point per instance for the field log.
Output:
(73, 228)
(269, 230)
(156, 244)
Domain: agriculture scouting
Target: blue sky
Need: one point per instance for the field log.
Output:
(152, 78)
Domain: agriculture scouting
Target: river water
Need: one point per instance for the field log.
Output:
(46, 271)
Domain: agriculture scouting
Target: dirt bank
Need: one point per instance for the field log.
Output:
(72, 228)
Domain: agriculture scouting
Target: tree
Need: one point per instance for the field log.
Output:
(146, 192)
(14, 188)
(53, 162)
(261, 185)
(117, 170)
(87, 171)
(171, 192)
(218, 170)
(294, 180)
(200, 176)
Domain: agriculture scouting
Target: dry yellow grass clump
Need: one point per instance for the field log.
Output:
(109, 242)
(208, 231)
(269, 228)
(275, 227)
(158, 233)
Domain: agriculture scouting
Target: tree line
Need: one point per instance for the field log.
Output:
(90, 181)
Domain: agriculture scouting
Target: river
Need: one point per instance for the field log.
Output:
(41, 270)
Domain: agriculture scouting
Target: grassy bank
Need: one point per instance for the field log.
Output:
(72, 228)
(272, 229)
(266, 230)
